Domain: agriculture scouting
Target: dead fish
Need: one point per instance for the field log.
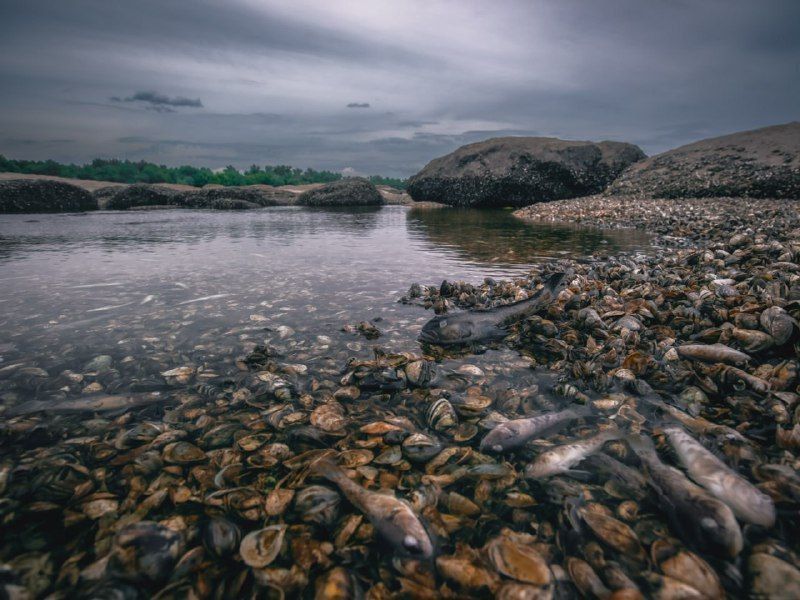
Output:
(697, 425)
(484, 325)
(747, 501)
(392, 517)
(713, 353)
(696, 513)
(562, 458)
(516, 432)
(88, 404)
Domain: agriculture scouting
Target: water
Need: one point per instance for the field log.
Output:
(160, 289)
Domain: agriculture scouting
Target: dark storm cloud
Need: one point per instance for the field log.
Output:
(274, 76)
(159, 100)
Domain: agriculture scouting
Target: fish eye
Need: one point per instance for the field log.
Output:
(708, 523)
(411, 543)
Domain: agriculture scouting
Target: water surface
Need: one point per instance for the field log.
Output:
(160, 289)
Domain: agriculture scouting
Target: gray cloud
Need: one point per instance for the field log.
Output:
(358, 105)
(274, 76)
(159, 100)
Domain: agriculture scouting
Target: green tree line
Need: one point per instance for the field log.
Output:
(126, 171)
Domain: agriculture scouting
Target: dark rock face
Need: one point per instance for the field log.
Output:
(104, 195)
(232, 198)
(518, 171)
(762, 163)
(142, 194)
(43, 195)
(352, 191)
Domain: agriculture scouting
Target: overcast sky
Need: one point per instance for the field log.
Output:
(380, 86)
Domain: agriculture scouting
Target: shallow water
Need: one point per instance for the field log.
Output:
(160, 289)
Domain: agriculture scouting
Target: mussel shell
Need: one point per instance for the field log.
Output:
(318, 504)
(221, 537)
(420, 447)
(419, 373)
(259, 548)
(183, 453)
(441, 415)
(513, 558)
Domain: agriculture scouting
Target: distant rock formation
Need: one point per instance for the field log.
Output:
(353, 191)
(43, 195)
(142, 194)
(518, 171)
(762, 163)
(226, 198)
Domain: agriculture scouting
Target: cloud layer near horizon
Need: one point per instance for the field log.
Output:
(383, 87)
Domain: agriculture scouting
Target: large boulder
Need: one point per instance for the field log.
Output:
(142, 194)
(43, 195)
(518, 171)
(352, 191)
(235, 197)
(762, 163)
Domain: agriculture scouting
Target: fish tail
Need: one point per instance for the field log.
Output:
(641, 445)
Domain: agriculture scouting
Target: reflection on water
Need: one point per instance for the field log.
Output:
(498, 238)
(156, 290)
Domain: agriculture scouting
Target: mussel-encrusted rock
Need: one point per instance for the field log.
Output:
(517, 171)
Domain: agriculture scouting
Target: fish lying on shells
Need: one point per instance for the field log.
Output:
(748, 503)
(517, 432)
(392, 517)
(487, 325)
(707, 521)
(562, 458)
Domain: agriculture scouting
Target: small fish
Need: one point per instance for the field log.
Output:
(707, 521)
(148, 298)
(631, 480)
(201, 299)
(713, 353)
(102, 403)
(392, 517)
(517, 432)
(747, 501)
(562, 458)
(698, 425)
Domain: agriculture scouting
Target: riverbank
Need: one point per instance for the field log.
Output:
(211, 461)
(680, 221)
(39, 193)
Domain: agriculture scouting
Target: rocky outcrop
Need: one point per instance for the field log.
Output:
(42, 195)
(104, 195)
(762, 163)
(220, 198)
(226, 198)
(353, 191)
(143, 194)
(518, 171)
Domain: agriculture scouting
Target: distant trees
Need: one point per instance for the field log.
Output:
(125, 171)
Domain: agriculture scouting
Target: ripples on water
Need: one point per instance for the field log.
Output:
(166, 288)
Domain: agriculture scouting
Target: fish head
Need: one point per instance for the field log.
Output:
(446, 330)
(720, 530)
(403, 528)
